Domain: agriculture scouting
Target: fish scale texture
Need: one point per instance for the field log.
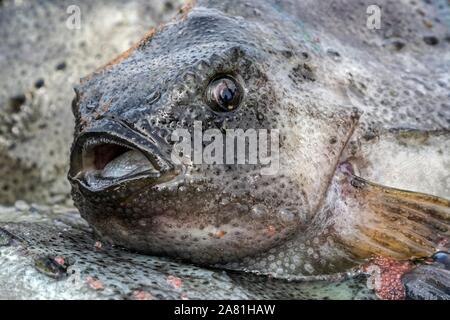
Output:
(398, 78)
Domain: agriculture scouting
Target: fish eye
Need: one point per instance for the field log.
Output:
(224, 94)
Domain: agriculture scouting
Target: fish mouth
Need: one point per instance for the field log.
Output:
(101, 160)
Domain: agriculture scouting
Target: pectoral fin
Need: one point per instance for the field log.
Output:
(378, 220)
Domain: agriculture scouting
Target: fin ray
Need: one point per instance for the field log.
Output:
(379, 220)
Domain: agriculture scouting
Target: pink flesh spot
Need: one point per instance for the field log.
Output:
(60, 260)
(174, 282)
(386, 274)
(94, 283)
(142, 295)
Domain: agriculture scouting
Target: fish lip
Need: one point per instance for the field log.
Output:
(164, 168)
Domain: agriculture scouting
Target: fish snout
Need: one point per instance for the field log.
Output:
(101, 159)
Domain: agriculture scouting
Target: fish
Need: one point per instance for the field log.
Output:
(361, 154)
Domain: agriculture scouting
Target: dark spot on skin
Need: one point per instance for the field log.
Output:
(397, 45)
(17, 102)
(287, 54)
(39, 83)
(333, 140)
(168, 6)
(334, 54)
(369, 136)
(420, 12)
(61, 66)
(431, 40)
(357, 183)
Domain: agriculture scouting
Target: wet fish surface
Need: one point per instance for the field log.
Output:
(55, 256)
(362, 120)
(51, 253)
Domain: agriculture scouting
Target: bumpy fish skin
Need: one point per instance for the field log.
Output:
(95, 270)
(323, 107)
(428, 283)
(423, 105)
(313, 70)
(176, 64)
(98, 271)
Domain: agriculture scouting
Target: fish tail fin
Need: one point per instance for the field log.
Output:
(392, 222)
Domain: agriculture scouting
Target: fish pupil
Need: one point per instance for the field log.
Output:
(224, 94)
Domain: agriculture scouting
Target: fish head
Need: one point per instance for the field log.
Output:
(214, 74)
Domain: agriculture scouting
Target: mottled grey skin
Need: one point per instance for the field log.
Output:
(337, 91)
(20, 277)
(29, 252)
(35, 238)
